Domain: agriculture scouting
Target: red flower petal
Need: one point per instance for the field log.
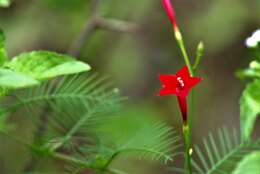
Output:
(168, 84)
(179, 84)
(184, 72)
(168, 79)
(183, 107)
(166, 91)
(194, 81)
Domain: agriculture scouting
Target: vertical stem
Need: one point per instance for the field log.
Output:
(180, 42)
(188, 123)
(186, 133)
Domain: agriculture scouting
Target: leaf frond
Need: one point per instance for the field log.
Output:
(221, 153)
(74, 103)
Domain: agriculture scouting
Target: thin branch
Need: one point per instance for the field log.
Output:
(97, 22)
(82, 39)
(116, 25)
(88, 29)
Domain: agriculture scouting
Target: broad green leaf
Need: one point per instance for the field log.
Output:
(43, 65)
(3, 53)
(5, 3)
(13, 80)
(249, 165)
(249, 108)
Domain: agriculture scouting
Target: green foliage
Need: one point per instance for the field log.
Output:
(126, 137)
(43, 65)
(13, 80)
(249, 108)
(250, 164)
(253, 71)
(145, 137)
(29, 69)
(5, 3)
(221, 154)
(79, 124)
(72, 115)
(3, 54)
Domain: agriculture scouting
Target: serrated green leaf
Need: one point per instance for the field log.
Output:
(5, 3)
(249, 165)
(3, 53)
(249, 108)
(13, 80)
(43, 65)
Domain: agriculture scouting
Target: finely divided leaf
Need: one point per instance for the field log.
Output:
(141, 137)
(74, 103)
(249, 108)
(43, 65)
(221, 153)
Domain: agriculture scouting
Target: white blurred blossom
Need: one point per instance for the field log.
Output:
(253, 40)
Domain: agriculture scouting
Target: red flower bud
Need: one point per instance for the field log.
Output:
(171, 13)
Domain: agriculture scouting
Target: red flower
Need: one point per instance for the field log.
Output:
(171, 13)
(178, 84)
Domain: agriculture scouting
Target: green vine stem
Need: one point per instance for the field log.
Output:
(181, 44)
(186, 126)
(186, 123)
(188, 150)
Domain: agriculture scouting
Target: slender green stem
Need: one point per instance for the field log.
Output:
(186, 132)
(181, 44)
(70, 159)
(186, 126)
(199, 53)
(82, 163)
(190, 111)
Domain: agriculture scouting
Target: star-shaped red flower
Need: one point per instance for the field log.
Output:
(178, 84)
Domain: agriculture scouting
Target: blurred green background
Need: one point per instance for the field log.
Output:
(133, 60)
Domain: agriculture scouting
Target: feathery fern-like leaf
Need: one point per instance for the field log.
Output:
(130, 137)
(74, 103)
(221, 153)
(78, 107)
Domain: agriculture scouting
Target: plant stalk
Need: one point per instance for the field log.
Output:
(181, 44)
(187, 123)
(187, 144)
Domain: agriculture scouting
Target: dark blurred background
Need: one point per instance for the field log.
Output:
(133, 60)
